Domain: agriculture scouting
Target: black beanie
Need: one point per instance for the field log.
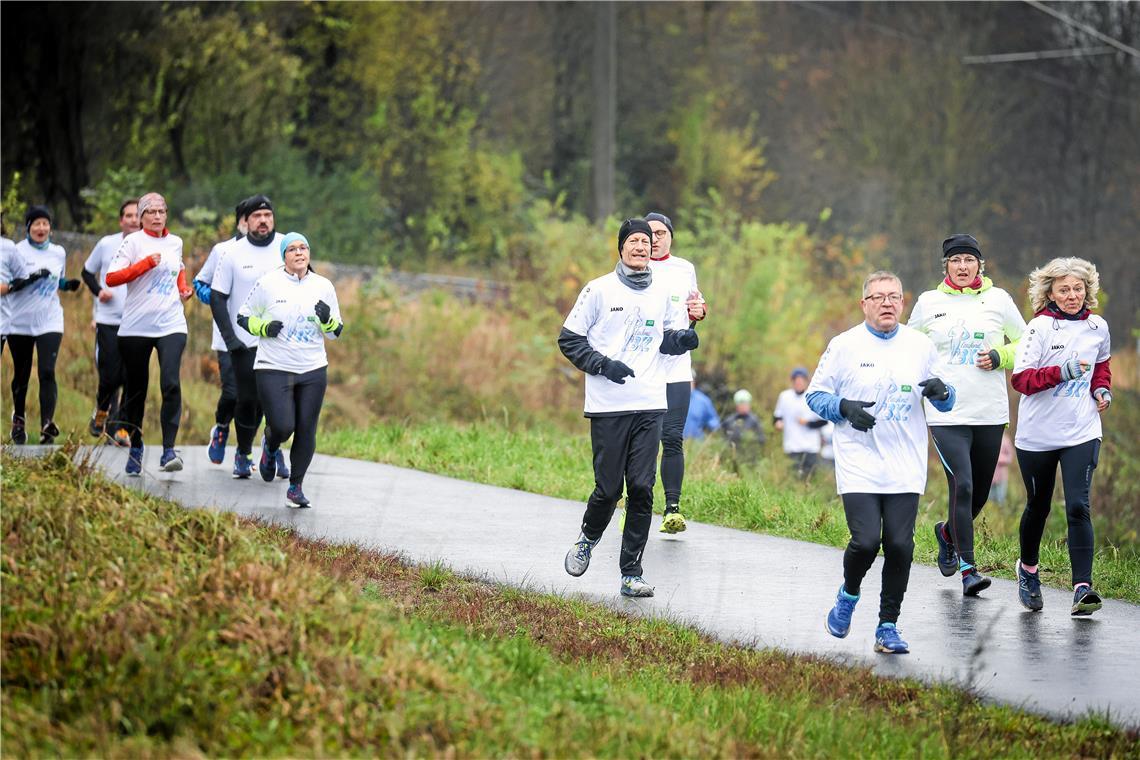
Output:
(34, 213)
(630, 226)
(257, 203)
(240, 212)
(960, 243)
(656, 216)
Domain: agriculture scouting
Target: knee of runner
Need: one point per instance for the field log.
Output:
(1078, 512)
(865, 546)
(902, 548)
(640, 497)
(672, 445)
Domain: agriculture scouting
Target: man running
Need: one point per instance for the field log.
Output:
(799, 424)
(681, 279)
(108, 317)
(871, 381)
(616, 333)
(244, 261)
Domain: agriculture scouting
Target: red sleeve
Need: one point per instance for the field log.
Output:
(133, 272)
(1102, 375)
(183, 288)
(1034, 380)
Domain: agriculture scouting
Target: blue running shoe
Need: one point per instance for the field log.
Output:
(243, 466)
(134, 461)
(839, 619)
(267, 465)
(1085, 601)
(295, 498)
(1029, 589)
(218, 438)
(282, 468)
(578, 558)
(888, 641)
(170, 461)
(947, 557)
(973, 582)
(635, 585)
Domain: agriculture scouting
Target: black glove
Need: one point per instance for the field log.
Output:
(273, 328)
(39, 274)
(853, 412)
(323, 312)
(995, 359)
(688, 339)
(933, 388)
(616, 372)
(234, 344)
(70, 285)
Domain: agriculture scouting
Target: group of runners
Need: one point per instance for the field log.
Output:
(271, 314)
(882, 384)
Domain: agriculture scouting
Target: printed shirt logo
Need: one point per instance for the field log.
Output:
(617, 308)
(1057, 347)
(638, 335)
(162, 283)
(940, 315)
(1076, 388)
(963, 345)
(893, 402)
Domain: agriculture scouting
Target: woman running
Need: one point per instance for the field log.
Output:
(1062, 368)
(292, 310)
(149, 263)
(969, 321)
(34, 321)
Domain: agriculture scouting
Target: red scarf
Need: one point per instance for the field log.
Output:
(164, 233)
(977, 283)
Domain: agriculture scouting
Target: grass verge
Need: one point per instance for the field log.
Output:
(135, 627)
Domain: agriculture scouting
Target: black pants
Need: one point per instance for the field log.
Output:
(969, 455)
(292, 404)
(247, 410)
(625, 452)
(886, 518)
(136, 365)
(224, 414)
(673, 441)
(46, 347)
(109, 362)
(804, 462)
(1039, 471)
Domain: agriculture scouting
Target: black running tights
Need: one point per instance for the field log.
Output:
(136, 353)
(672, 440)
(969, 455)
(227, 401)
(886, 518)
(292, 405)
(46, 347)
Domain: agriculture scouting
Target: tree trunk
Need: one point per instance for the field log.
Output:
(605, 107)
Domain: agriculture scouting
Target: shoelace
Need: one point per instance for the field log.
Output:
(583, 550)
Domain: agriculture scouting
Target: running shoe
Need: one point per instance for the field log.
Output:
(1085, 601)
(578, 558)
(674, 521)
(122, 438)
(217, 450)
(267, 465)
(170, 461)
(19, 432)
(134, 461)
(635, 585)
(888, 640)
(839, 619)
(243, 466)
(48, 433)
(295, 498)
(974, 583)
(947, 557)
(282, 468)
(1029, 589)
(98, 424)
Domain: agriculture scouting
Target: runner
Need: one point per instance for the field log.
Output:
(108, 315)
(799, 424)
(149, 263)
(969, 321)
(35, 321)
(619, 328)
(13, 278)
(292, 309)
(681, 277)
(1062, 368)
(244, 262)
(886, 369)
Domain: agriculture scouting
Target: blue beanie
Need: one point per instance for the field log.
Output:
(291, 237)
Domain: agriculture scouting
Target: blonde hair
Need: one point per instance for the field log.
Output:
(881, 274)
(1041, 280)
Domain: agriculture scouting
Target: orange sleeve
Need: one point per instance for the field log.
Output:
(133, 272)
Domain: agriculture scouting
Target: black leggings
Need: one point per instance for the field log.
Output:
(247, 410)
(227, 401)
(109, 362)
(625, 451)
(969, 455)
(292, 404)
(875, 518)
(672, 440)
(136, 366)
(47, 350)
(1039, 471)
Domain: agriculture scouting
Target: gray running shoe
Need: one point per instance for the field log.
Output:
(578, 558)
(635, 585)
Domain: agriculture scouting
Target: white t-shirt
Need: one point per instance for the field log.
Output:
(681, 278)
(152, 307)
(36, 309)
(300, 346)
(1065, 415)
(861, 366)
(11, 268)
(791, 407)
(111, 312)
(206, 275)
(626, 325)
(960, 325)
(238, 270)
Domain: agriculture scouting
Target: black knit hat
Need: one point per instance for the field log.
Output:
(657, 216)
(240, 212)
(257, 203)
(960, 243)
(34, 213)
(630, 226)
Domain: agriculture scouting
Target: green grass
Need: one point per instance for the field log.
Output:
(134, 627)
(764, 498)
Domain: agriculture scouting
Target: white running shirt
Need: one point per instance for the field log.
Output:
(791, 407)
(238, 270)
(860, 366)
(11, 268)
(206, 275)
(300, 346)
(111, 312)
(152, 307)
(681, 278)
(36, 309)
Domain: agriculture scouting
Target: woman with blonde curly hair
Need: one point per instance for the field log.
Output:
(1062, 370)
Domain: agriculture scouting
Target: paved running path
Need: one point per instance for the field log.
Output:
(739, 586)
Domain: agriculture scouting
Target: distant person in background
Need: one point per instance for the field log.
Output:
(969, 321)
(799, 424)
(35, 321)
(999, 491)
(827, 447)
(702, 417)
(743, 430)
(108, 317)
(1062, 371)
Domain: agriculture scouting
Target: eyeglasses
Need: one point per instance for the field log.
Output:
(959, 260)
(660, 233)
(155, 211)
(878, 298)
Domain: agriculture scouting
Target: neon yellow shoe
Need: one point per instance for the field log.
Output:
(674, 521)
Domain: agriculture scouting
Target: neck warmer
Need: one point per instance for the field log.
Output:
(164, 233)
(258, 241)
(638, 280)
(39, 246)
(880, 334)
(974, 287)
(1056, 312)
